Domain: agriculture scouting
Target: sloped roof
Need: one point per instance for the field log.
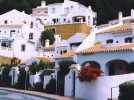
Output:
(67, 55)
(39, 14)
(125, 27)
(11, 25)
(50, 48)
(40, 8)
(99, 49)
(45, 59)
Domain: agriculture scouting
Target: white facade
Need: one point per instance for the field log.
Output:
(18, 35)
(62, 13)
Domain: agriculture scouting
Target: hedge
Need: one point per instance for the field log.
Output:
(126, 91)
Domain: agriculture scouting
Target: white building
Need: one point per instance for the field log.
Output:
(66, 12)
(18, 36)
(109, 48)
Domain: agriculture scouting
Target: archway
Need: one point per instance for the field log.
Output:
(94, 64)
(54, 30)
(116, 67)
(130, 67)
(79, 19)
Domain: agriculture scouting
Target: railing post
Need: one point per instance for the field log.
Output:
(111, 94)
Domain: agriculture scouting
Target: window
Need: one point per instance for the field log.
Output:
(5, 22)
(65, 51)
(109, 41)
(31, 36)
(53, 29)
(53, 10)
(61, 52)
(128, 40)
(11, 32)
(23, 47)
(31, 25)
(72, 7)
(66, 10)
(64, 19)
(3, 44)
(54, 20)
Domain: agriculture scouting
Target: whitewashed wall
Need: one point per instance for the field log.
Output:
(14, 74)
(100, 89)
(47, 78)
(104, 58)
(114, 36)
(34, 79)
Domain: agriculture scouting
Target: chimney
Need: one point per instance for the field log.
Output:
(132, 13)
(57, 38)
(89, 7)
(47, 43)
(120, 17)
(43, 3)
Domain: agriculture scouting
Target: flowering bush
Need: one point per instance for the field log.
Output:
(89, 73)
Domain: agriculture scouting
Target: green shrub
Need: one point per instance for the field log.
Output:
(126, 91)
(6, 79)
(64, 66)
(38, 86)
(51, 87)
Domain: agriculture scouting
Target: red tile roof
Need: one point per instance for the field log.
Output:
(125, 27)
(98, 49)
(67, 55)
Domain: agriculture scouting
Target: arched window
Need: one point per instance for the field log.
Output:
(61, 52)
(54, 30)
(109, 41)
(64, 51)
(128, 40)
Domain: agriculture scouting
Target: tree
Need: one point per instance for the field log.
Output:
(6, 79)
(33, 68)
(21, 79)
(64, 66)
(47, 34)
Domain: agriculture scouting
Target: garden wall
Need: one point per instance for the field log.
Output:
(34, 79)
(100, 89)
(47, 78)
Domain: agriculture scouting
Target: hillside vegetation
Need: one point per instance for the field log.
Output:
(106, 9)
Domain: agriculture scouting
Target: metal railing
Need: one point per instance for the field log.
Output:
(117, 87)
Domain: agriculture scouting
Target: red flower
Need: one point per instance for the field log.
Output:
(89, 73)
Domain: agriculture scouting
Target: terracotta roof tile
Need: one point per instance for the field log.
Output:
(124, 27)
(51, 47)
(98, 48)
(11, 25)
(40, 8)
(69, 54)
(45, 59)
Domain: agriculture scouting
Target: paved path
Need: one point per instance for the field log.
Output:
(37, 94)
(6, 95)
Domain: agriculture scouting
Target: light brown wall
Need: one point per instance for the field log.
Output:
(67, 30)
